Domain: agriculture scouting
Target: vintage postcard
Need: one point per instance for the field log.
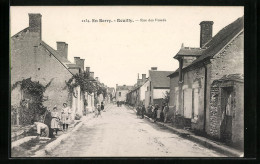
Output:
(127, 81)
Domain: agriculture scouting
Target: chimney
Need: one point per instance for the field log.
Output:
(79, 62)
(116, 86)
(82, 64)
(143, 77)
(205, 32)
(62, 49)
(91, 74)
(153, 68)
(96, 79)
(35, 24)
(87, 69)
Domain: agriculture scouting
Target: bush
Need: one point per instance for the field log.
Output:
(77, 117)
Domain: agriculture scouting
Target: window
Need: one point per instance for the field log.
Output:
(119, 94)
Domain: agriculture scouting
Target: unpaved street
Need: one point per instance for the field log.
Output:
(120, 133)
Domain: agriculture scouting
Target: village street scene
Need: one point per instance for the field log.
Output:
(86, 100)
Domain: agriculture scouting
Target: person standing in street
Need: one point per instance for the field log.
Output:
(155, 113)
(47, 121)
(65, 117)
(55, 120)
(102, 106)
(158, 117)
(143, 111)
(162, 113)
(152, 111)
(165, 111)
(99, 111)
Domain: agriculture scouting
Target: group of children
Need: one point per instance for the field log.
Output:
(99, 109)
(63, 118)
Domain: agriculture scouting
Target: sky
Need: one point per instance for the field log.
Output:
(116, 52)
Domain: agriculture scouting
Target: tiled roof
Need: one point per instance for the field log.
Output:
(20, 32)
(221, 39)
(187, 51)
(233, 77)
(176, 72)
(111, 89)
(54, 52)
(160, 78)
(63, 60)
(124, 87)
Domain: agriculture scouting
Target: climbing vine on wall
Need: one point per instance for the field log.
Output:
(81, 80)
(33, 106)
(101, 90)
(167, 97)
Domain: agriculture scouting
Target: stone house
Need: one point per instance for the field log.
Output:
(137, 95)
(156, 87)
(207, 89)
(32, 58)
(121, 92)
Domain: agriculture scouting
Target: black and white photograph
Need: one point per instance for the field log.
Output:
(127, 81)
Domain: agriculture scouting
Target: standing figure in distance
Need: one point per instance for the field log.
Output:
(65, 117)
(55, 120)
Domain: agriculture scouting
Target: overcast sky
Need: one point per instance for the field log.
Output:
(117, 52)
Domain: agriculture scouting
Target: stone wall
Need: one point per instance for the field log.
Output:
(229, 61)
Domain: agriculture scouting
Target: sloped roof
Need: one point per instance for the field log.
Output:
(176, 72)
(221, 39)
(124, 87)
(160, 78)
(188, 51)
(54, 52)
(110, 89)
(63, 60)
(20, 32)
(233, 77)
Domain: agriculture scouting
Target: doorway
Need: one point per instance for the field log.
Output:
(227, 100)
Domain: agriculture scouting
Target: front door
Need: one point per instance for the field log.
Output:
(226, 109)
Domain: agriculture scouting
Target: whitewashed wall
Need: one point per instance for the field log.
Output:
(159, 93)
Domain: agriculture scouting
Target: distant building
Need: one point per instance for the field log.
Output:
(137, 95)
(156, 87)
(121, 92)
(207, 90)
(111, 94)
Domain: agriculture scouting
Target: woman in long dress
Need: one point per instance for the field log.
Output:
(159, 113)
(65, 119)
(55, 120)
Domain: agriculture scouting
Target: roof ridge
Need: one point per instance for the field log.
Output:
(20, 32)
(44, 45)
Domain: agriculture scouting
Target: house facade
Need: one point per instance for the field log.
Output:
(32, 58)
(206, 92)
(121, 92)
(156, 87)
(137, 95)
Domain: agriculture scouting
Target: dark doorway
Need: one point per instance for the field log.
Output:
(227, 99)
